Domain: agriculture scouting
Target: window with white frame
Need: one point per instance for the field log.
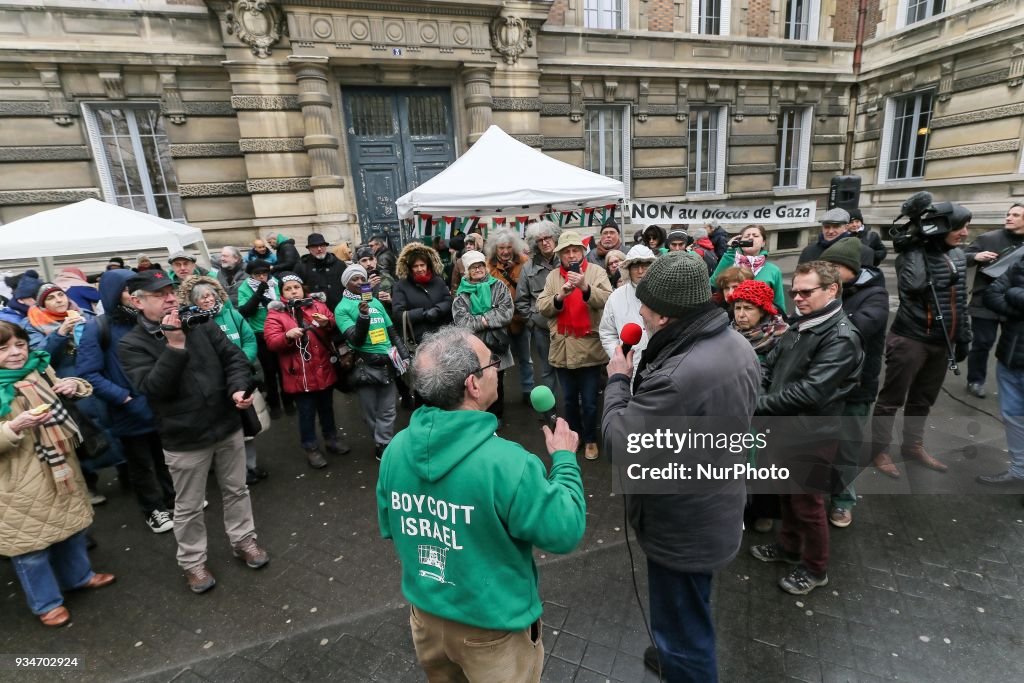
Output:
(710, 17)
(905, 135)
(133, 157)
(919, 10)
(801, 21)
(607, 142)
(794, 147)
(705, 170)
(604, 14)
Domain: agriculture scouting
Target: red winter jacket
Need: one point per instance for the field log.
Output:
(298, 375)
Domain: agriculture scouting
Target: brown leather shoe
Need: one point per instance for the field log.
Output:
(917, 452)
(254, 556)
(591, 452)
(200, 579)
(885, 465)
(58, 616)
(99, 581)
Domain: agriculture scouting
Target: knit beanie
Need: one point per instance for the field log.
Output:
(28, 286)
(352, 271)
(676, 283)
(45, 290)
(756, 292)
(258, 266)
(845, 252)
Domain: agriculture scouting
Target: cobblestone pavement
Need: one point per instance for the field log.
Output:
(923, 587)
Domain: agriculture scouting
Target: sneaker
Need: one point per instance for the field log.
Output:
(651, 659)
(976, 389)
(200, 579)
(801, 582)
(254, 556)
(315, 458)
(336, 446)
(378, 451)
(96, 498)
(160, 521)
(840, 517)
(774, 552)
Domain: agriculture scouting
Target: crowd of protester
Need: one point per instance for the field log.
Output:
(270, 332)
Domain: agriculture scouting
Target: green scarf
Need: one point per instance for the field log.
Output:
(37, 362)
(479, 294)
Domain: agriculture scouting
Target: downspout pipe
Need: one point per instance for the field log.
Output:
(858, 55)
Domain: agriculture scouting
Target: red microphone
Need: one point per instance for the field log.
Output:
(630, 336)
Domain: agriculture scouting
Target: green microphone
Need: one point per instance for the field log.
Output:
(543, 401)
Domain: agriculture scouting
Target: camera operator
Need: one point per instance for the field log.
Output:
(984, 321)
(931, 273)
(195, 380)
(749, 250)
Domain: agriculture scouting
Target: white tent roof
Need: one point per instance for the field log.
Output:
(91, 227)
(500, 175)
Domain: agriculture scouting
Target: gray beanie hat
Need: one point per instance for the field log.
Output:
(352, 270)
(676, 283)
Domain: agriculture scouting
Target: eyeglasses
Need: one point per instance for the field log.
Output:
(495, 361)
(546, 239)
(804, 293)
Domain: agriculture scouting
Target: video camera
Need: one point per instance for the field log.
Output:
(193, 316)
(925, 220)
(299, 303)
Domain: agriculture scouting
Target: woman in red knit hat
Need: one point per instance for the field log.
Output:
(755, 315)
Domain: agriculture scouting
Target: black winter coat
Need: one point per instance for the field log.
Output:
(812, 371)
(189, 390)
(866, 304)
(997, 241)
(873, 241)
(917, 317)
(287, 257)
(386, 261)
(1005, 298)
(323, 276)
(429, 306)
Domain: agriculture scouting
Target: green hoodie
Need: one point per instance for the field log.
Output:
(465, 509)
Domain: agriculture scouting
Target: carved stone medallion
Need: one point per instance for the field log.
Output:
(257, 23)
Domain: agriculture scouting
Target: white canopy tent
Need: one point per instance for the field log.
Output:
(499, 175)
(92, 227)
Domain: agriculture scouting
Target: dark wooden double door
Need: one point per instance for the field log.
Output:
(397, 140)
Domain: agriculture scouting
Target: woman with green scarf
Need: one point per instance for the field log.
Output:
(483, 305)
(44, 504)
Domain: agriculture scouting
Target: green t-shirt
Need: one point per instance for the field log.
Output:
(346, 313)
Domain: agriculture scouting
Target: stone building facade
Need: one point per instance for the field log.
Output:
(242, 116)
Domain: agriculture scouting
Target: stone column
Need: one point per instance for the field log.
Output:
(476, 78)
(320, 142)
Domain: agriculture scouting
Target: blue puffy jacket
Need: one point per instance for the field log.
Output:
(100, 366)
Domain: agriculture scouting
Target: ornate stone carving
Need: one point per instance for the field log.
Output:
(113, 83)
(662, 110)
(563, 144)
(201, 150)
(555, 110)
(12, 197)
(516, 104)
(257, 23)
(978, 116)
(906, 81)
(973, 150)
(774, 94)
(265, 102)
(610, 87)
(213, 189)
(510, 37)
(59, 108)
(1016, 74)
(209, 108)
(711, 91)
(682, 100)
(946, 81)
(739, 110)
(530, 140)
(171, 104)
(575, 99)
(45, 153)
(271, 145)
(262, 185)
(659, 172)
(641, 106)
(871, 100)
(981, 80)
(659, 142)
(24, 109)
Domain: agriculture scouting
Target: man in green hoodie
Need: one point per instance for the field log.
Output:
(465, 508)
